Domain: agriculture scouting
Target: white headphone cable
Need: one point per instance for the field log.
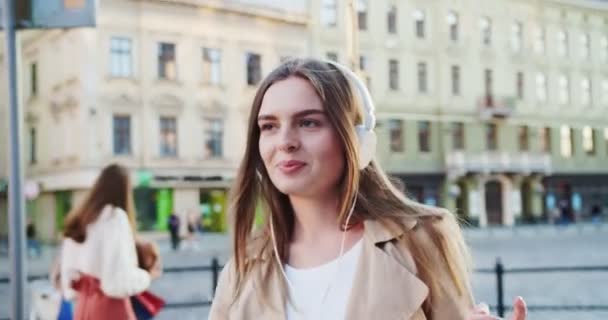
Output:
(339, 258)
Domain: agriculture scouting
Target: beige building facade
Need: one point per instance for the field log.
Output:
(162, 87)
(494, 109)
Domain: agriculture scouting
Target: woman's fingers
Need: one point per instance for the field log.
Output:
(482, 312)
(483, 317)
(520, 311)
(482, 308)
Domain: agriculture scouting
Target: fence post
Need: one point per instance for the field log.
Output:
(500, 305)
(215, 271)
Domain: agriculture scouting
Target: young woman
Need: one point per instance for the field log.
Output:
(99, 263)
(339, 241)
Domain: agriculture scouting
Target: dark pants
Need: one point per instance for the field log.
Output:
(174, 240)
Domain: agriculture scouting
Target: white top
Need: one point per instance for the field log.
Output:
(108, 254)
(310, 284)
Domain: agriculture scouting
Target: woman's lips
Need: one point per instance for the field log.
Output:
(291, 166)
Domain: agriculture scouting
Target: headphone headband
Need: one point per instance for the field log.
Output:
(369, 121)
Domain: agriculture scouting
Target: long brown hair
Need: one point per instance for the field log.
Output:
(112, 188)
(377, 198)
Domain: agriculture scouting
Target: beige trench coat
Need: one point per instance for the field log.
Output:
(385, 287)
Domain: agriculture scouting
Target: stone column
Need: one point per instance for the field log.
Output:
(513, 200)
(477, 200)
(47, 230)
(186, 201)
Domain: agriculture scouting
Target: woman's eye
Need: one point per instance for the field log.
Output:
(306, 123)
(266, 126)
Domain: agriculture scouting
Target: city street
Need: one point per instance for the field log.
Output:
(521, 247)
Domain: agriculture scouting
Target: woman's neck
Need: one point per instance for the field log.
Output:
(317, 236)
(316, 219)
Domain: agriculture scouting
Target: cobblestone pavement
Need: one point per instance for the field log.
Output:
(539, 246)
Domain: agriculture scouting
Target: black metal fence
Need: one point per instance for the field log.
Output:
(499, 271)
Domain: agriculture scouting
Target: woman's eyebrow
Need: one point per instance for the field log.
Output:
(299, 114)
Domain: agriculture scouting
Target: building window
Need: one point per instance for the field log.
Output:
(585, 46)
(424, 136)
(168, 137)
(395, 128)
(332, 56)
(455, 80)
(254, 68)
(605, 91)
(329, 13)
(33, 142)
(212, 66)
(516, 36)
(33, 79)
(393, 81)
(166, 61)
(419, 17)
(520, 85)
(539, 40)
(564, 89)
(458, 136)
(606, 139)
(545, 139)
(362, 14)
(487, 77)
(491, 136)
(214, 137)
(541, 87)
(486, 31)
(562, 43)
(122, 135)
(604, 45)
(391, 20)
(453, 25)
(422, 78)
(120, 57)
(589, 140)
(567, 144)
(364, 67)
(522, 137)
(586, 91)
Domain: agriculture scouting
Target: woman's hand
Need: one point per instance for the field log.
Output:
(156, 271)
(482, 311)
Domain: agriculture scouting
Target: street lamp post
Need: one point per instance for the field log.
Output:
(16, 200)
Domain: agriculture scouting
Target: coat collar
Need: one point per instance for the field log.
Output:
(260, 246)
(383, 286)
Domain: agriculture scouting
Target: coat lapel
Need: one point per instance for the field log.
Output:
(383, 288)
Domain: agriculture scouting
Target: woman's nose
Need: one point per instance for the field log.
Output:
(289, 141)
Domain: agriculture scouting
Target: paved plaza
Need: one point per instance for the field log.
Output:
(521, 247)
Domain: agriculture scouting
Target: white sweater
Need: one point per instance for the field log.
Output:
(108, 254)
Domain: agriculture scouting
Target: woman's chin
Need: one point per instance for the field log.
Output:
(295, 189)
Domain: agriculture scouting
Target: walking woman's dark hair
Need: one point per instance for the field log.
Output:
(111, 188)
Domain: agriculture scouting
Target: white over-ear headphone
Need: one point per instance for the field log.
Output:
(365, 131)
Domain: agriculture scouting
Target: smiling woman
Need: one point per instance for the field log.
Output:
(339, 241)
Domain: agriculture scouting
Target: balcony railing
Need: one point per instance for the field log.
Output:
(459, 163)
(495, 107)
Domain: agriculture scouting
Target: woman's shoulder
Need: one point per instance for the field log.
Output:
(113, 217)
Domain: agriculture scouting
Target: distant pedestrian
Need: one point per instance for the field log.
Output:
(596, 214)
(564, 211)
(174, 223)
(33, 245)
(99, 260)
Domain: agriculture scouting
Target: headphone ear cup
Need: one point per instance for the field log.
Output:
(367, 146)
